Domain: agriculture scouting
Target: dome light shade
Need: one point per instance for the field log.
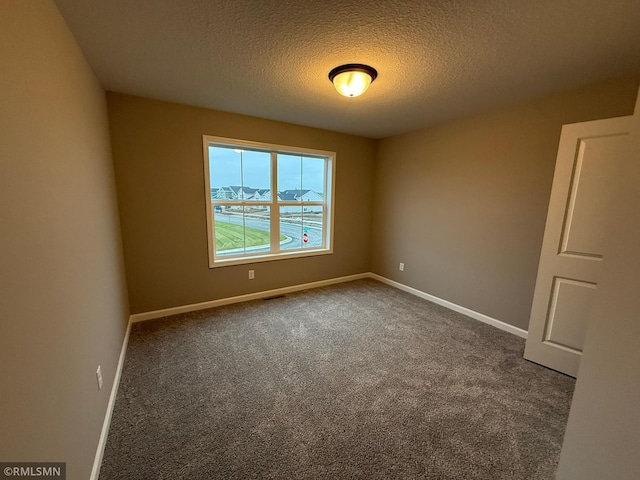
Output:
(353, 79)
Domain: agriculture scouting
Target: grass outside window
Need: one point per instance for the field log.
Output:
(230, 236)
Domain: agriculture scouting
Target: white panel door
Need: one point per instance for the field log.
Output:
(574, 240)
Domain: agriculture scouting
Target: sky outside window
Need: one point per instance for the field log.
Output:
(294, 172)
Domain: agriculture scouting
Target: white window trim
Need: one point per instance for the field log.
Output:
(274, 204)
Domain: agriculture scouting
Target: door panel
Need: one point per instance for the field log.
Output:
(588, 156)
(583, 231)
(570, 304)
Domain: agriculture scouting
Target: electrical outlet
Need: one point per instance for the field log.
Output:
(251, 274)
(401, 267)
(99, 376)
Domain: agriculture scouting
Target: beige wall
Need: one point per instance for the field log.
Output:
(157, 149)
(63, 306)
(463, 205)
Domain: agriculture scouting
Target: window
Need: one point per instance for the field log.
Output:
(266, 202)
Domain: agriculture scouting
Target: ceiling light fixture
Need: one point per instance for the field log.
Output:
(352, 79)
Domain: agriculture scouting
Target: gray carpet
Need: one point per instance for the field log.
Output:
(353, 381)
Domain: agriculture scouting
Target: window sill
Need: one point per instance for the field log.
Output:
(268, 257)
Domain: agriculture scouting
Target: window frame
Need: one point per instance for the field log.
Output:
(274, 204)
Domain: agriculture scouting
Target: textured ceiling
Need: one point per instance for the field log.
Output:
(436, 60)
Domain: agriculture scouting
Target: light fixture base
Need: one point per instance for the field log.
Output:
(354, 67)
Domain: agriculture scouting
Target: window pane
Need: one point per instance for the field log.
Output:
(237, 174)
(291, 227)
(300, 179)
(313, 179)
(312, 226)
(302, 226)
(225, 171)
(256, 176)
(240, 230)
(289, 177)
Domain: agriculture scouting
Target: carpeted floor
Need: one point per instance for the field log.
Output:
(353, 381)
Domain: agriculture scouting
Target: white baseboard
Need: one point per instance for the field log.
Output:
(452, 306)
(139, 317)
(102, 443)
